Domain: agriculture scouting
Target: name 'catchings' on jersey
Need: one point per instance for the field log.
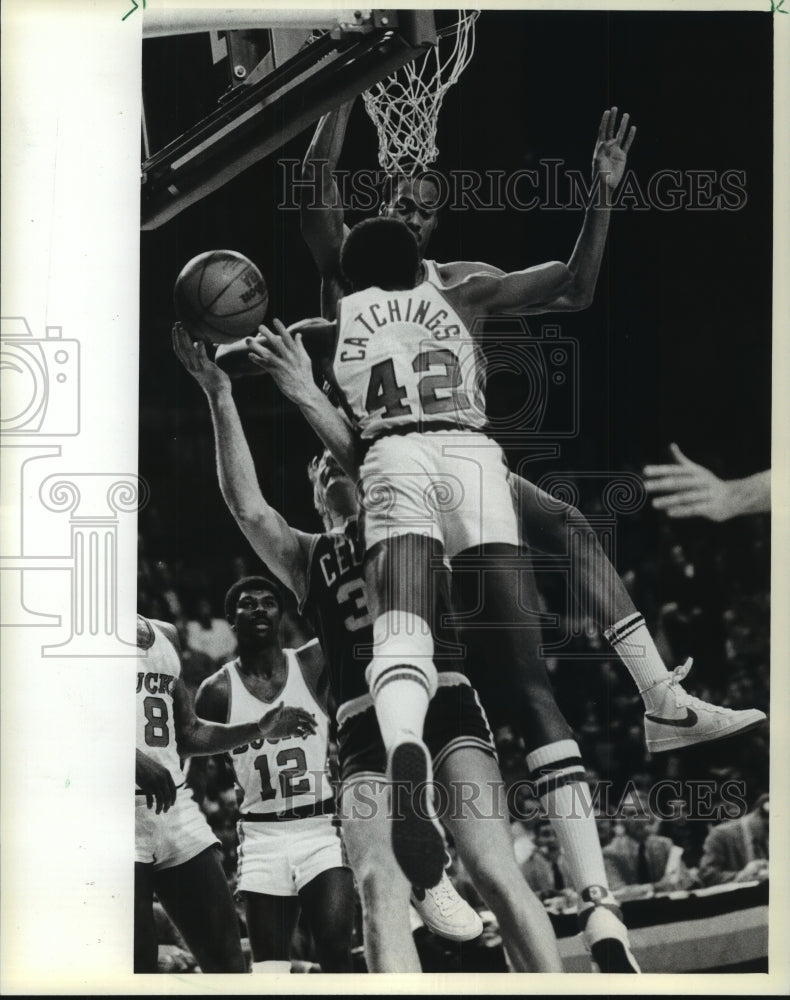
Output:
(158, 669)
(278, 774)
(406, 358)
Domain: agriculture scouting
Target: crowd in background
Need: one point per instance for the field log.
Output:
(704, 592)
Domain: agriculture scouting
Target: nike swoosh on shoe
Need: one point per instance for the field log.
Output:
(691, 719)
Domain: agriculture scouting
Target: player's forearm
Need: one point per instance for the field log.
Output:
(235, 468)
(321, 209)
(331, 428)
(205, 738)
(327, 141)
(751, 495)
(585, 261)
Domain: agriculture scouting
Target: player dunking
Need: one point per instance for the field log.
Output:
(175, 851)
(289, 850)
(326, 574)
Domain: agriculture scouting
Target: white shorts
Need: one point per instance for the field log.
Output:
(279, 858)
(172, 837)
(451, 486)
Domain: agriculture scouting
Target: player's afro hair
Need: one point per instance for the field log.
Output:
(252, 583)
(380, 253)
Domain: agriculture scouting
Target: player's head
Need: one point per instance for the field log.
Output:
(638, 821)
(415, 201)
(253, 607)
(334, 493)
(380, 253)
(546, 839)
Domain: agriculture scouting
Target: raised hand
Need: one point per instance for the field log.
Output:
(192, 355)
(687, 489)
(284, 357)
(611, 150)
(155, 781)
(285, 720)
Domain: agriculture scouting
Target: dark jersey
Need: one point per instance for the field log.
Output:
(336, 605)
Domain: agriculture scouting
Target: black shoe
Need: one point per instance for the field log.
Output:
(417, 839)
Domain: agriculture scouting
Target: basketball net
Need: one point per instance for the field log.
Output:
(405, 106)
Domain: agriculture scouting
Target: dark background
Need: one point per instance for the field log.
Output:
(676, 347)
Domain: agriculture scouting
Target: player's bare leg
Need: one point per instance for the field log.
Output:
(383, 888)
(673, 718)
(197, 899)
(328, 903)
(476, 820)
(553, 757)
(402, 681)
(271, 921)
(145, 944)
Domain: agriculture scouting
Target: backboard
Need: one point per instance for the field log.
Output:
(240, 84)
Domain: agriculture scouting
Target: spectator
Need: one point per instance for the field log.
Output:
(210, 635)
(737, 851)
(545, 869)
(195, 665)
(639, 856)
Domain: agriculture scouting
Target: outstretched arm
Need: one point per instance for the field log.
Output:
(284, 357)
(322, 221)
(198, 737)
(281, 547)
(687, 489)
(609, 159)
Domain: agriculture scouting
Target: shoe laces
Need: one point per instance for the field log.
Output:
(444, 896)
(683, 699)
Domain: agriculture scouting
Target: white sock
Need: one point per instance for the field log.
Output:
(558, 772)
(401, 705)
(271, 967)
(634, 645)
(401, 677)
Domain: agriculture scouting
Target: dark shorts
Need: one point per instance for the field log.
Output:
(455, 719)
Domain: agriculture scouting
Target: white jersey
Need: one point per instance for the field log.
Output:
(158, 669)
(406, 358)
(279, 774)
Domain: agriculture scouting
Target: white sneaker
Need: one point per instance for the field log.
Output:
(604, 933)
(446, 913)
(684, 720)
(417, 837)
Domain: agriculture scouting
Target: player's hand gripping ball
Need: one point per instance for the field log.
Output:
(220, 296)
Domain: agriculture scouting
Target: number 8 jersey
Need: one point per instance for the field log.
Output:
(279, 774)
(158, 669)
(406, 359)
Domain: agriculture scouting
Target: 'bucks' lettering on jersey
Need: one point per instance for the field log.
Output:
(158, 669)
(287, 772)
(406, 358)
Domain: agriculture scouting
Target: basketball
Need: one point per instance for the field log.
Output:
(221, 296)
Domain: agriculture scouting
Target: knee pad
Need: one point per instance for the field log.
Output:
(403, 650)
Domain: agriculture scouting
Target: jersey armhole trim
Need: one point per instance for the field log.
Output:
(307, 677)
(300, 604)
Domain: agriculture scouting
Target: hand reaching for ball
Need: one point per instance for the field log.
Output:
(192, 355)
(284, 357)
